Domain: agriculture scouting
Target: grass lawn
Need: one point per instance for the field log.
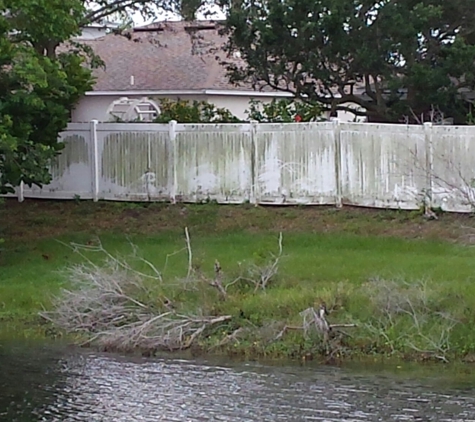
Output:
(329, 255)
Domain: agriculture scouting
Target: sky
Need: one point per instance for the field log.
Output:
(162, 16)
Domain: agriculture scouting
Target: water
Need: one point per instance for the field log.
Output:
(67, 385)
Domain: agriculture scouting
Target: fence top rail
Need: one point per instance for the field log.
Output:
(265, 127)
(133, 127)
(213, 127)
(381, 128)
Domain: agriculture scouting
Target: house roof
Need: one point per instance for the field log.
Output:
(165, 56)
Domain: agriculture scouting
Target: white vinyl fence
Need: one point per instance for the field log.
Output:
(372, 165)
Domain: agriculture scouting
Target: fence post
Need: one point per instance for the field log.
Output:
(338, 181)
(95, 161)
(172, 160)
(429, 163)
(254, 163)
(20, 192)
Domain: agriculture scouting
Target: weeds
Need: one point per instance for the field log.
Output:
(409, 316)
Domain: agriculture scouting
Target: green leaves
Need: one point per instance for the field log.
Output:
(393, 58)
(38, 87)
(193, 112)
(284, 111)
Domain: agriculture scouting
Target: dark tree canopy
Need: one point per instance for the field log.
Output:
(396, 59)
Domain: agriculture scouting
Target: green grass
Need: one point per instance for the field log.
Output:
(328, 256)
(30, 272)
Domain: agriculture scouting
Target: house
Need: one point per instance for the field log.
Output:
(97, 30)
(174, 60)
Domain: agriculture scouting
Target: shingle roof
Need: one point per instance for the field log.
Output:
(163, 56)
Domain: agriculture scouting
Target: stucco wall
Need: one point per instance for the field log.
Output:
(95, 107)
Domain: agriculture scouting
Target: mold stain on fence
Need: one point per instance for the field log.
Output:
(374, 165)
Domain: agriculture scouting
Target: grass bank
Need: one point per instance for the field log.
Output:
(406, 283)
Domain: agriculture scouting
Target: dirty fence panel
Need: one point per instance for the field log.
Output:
(383, 166)
(295, 163)
(71, 171)
(213, 162)
(134, 165)
(453, 168)
(373, 165)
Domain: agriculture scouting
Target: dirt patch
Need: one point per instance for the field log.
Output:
(34, 219)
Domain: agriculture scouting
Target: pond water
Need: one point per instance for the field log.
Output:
(52, 383)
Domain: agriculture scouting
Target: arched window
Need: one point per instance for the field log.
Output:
(133, 110)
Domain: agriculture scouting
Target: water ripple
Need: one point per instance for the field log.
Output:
(110, 389)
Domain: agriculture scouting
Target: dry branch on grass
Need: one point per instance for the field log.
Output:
(260, 276)
(113, 306)
(263, 275)
(102, 304)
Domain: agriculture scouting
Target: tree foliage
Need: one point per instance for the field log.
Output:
(39, 85)
(184, 111)
(103, 10)
(284, 111)
(395, 59)
(277, 111)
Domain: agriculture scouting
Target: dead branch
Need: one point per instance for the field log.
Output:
(342, 326)
(217, 283)
(285, 329)
(81, 249)
(233, 337)
(269, 271)
(260, 276)
(190, 254)
(112, 306)
(103, 305)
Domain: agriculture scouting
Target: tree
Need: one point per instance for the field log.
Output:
(407, 56)
(193, 112)
(277, 111)
(284, 111)
(39, 84)
(100, 10)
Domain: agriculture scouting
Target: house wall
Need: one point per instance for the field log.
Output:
(238, 106)
(371, 165)
(95, 107)
(346, 116)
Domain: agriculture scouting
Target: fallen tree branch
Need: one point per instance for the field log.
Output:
(230, 337)
(285, 329)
